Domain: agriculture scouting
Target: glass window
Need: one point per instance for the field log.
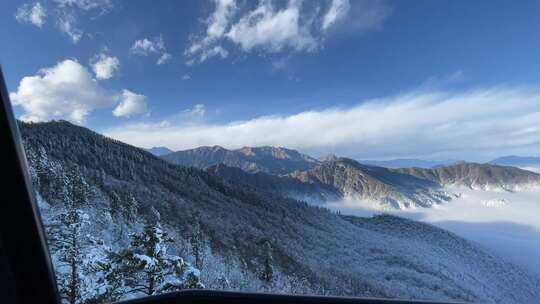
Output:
(366, 148)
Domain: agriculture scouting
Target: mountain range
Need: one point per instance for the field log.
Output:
(312, 250)
(286, 172)
(517, 161)
(261, 159)
(407, 163)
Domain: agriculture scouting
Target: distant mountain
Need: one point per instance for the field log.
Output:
(406, 163)
(342, 179)
(309, 249)
(159, 151)
(373, 184)
(286, 186)
(517, 161)
(328, 157)
(479, 176)
(273, 160)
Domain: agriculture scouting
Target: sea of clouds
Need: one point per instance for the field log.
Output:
(507, 223)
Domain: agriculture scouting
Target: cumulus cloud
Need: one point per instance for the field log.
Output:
(34, 14)
(104, 66)
(154, 46)
(273, 27)
(65, 91)
(130, 104)
(186, 77)
(415, 124)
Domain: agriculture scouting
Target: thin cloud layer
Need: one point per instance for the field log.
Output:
(65, 13)
(419, 123)
(271, 27)
(337, 11)
(154, 46)
(35, 14)
(68, 91)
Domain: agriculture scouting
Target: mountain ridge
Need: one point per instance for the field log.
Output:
(479, 176)
(273, 160)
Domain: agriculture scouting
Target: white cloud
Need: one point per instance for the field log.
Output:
(204, 48)
(65, 14)
(130, 104)
(86, 5)
(166, 57)
(441, 81)
(67, 23)
(34, 14)
(219, 20)
(104, 66)
(155, 46)
(198, 111)
(144, 47)
(186, 77)
(68, 91)
(273, 27)
(415, 124)
(337, 11)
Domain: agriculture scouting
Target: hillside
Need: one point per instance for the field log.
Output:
(312, 249)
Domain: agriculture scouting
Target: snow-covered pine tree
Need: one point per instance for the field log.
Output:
(65, 235)
(146, 267)
(196, 240)
(267, 273)
(107, 285)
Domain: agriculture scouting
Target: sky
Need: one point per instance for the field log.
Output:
(363, 79)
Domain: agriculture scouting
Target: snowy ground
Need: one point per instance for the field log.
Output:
(507, 223)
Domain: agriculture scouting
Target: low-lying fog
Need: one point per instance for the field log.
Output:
(507, 223)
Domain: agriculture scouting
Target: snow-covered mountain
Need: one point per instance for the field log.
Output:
(479, 176)
(273, 160)
(342, 179)
(244, 239)
(377, 185)
(345, 179)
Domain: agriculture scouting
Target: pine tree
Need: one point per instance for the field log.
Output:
(148, 269)
(66, 238)
(108, 286)
(197, 242)
(267, 273)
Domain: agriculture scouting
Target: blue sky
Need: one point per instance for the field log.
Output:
(365, 79)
